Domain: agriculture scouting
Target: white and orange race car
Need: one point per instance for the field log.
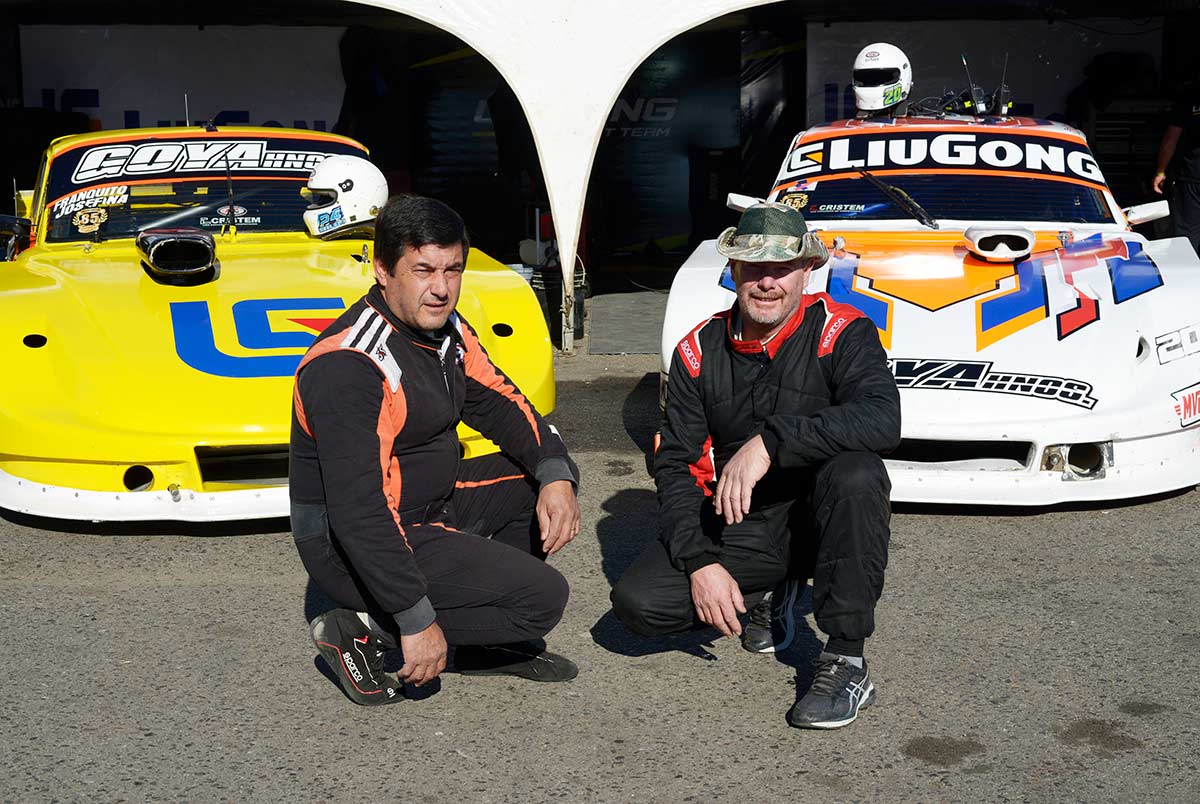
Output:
(1044, 351)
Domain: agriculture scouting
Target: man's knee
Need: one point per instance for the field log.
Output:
(853, 473)
(633, 606)
(545, 607)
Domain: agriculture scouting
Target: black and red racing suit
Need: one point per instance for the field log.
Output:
(821, 396)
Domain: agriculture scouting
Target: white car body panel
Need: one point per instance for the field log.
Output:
(983, 413)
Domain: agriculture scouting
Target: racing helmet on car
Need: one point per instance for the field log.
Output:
(345, 193)
(882, 77)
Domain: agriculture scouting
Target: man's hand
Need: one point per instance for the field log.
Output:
(717, 599)
(558, 515)
(745, 468)
(424, 655)
(1157, 184)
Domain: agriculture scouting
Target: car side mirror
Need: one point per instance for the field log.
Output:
(738, 202)
(14, 236)
(1144, 213)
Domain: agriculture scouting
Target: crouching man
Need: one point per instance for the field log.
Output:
(418, 548)
(785, 400)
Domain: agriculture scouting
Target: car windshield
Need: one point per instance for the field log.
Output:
(102, 191)
(122, 210)
(955, 196)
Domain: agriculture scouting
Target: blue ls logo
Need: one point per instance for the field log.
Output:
(196, 344)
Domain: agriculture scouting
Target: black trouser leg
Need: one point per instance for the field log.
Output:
(494, 497)
(652, 597)
(842, 545)
(1185, 212)
(484, 590)
(851, 512)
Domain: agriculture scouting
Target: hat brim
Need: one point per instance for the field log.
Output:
(771, 248)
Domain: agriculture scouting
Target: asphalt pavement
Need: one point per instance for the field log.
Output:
(1020, 656)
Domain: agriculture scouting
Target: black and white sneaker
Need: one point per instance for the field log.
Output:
(838, 691)
(355, 655)
(529, 660)
(772, 623)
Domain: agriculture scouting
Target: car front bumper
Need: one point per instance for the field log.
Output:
(184, 505)
(1130, 468)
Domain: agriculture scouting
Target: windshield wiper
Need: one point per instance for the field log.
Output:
(901, 199)
(229, 190)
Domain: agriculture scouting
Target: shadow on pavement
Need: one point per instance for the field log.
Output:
(593, 414)
(630, 521)
(612, 635)
(640, 413)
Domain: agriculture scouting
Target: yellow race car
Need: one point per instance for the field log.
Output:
(146, 384)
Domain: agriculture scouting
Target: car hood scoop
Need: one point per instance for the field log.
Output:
(999, 243)
(178, 256)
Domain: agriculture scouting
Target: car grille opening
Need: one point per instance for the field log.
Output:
(259, 465)
(963, 455)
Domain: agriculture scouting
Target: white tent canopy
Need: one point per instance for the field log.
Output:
(566, 61)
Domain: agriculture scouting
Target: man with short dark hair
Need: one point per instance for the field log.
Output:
(418, 548)
(784, 400)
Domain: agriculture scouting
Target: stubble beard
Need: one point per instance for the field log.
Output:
(762, 320)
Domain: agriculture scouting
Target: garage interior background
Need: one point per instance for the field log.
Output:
(708, 113)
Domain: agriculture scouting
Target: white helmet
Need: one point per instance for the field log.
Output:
(346, 193)
(882, 77)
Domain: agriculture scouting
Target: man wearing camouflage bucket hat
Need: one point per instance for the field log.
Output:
(773, 233)
(776, 411)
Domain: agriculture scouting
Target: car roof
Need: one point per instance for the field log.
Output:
(225, 132)
(1026, 125)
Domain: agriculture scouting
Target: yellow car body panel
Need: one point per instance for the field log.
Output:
(128, 398)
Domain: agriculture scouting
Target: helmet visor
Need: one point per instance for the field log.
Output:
(319, 198)
(876, 76)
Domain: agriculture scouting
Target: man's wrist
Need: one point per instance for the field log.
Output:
(416, 618)
(690, 565)
(770, 443)
(553, 469)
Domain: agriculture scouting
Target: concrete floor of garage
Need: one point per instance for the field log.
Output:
(1039, 656)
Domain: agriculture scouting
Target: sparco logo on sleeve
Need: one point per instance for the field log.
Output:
(689, 356)
(966, 151)
(830, 335)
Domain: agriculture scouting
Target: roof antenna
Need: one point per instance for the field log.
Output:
(974, 95)
(187, 118)
(1001, 103)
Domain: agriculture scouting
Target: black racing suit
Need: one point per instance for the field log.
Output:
(1185, 209)
(380, 495)
(825, 403)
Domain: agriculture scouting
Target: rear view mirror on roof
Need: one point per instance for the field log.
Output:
(738, 202)
(1144, 213)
